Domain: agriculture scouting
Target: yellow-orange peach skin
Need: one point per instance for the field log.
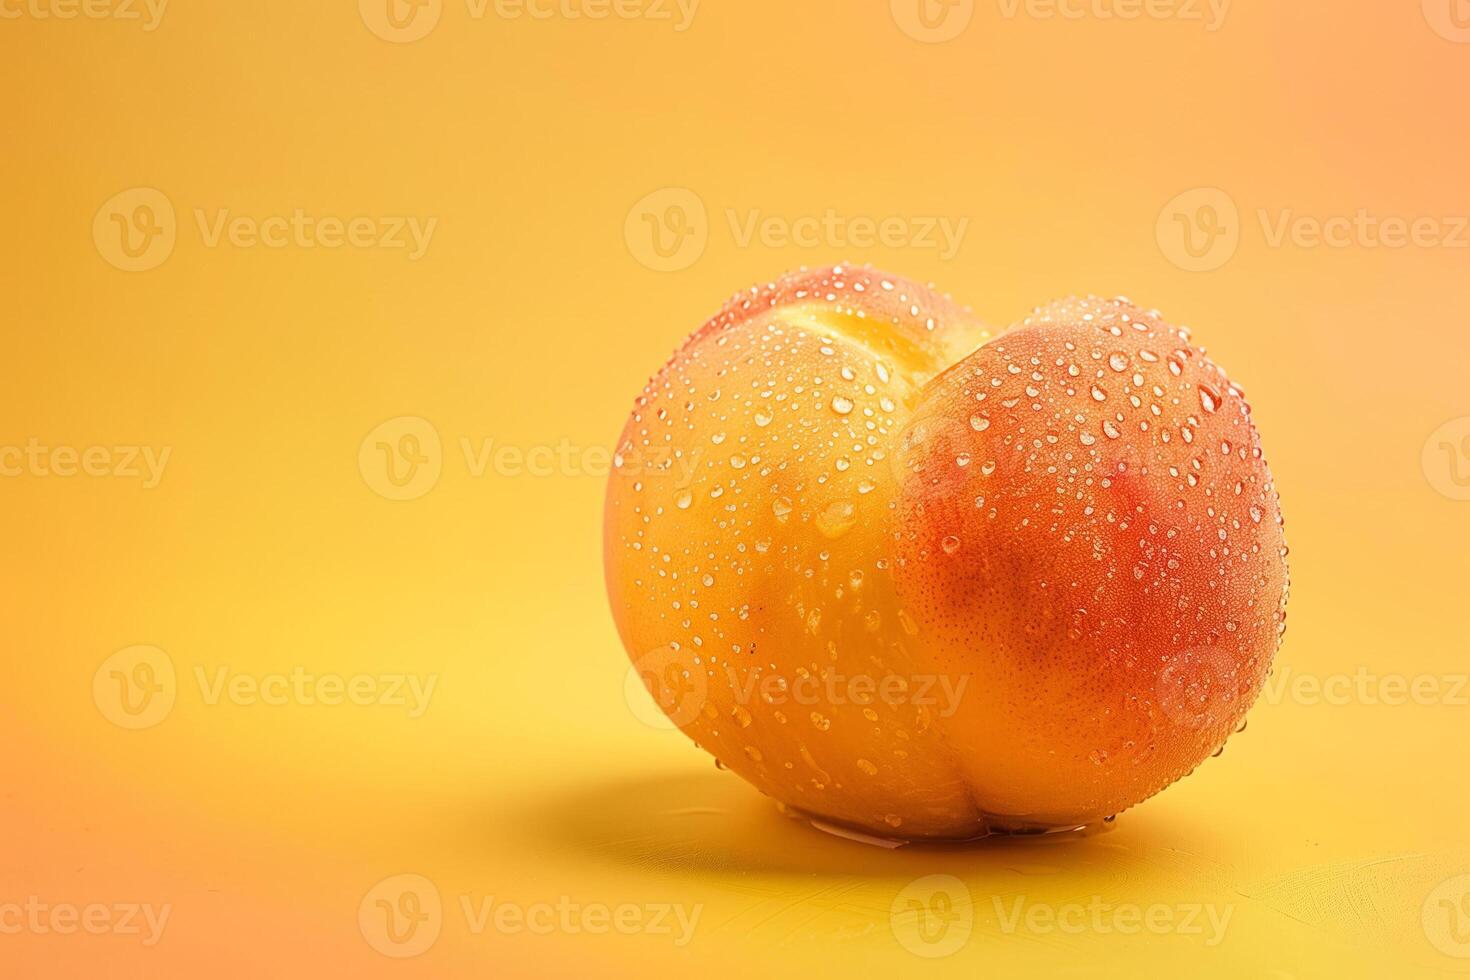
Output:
(918, 580)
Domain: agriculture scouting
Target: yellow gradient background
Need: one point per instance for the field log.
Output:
(1331, 831)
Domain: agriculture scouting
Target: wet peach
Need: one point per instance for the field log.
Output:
(933, 595)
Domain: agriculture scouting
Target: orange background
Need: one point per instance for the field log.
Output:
(532, 319)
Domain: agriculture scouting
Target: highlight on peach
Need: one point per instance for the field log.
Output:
(934, 580)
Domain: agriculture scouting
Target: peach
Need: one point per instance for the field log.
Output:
(930, 593)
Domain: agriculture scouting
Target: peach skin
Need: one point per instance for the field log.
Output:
(928, 593)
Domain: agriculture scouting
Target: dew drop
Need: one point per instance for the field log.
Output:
(1209, 399)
